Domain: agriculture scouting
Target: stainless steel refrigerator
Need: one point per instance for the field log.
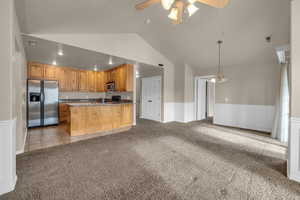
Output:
(42, 103)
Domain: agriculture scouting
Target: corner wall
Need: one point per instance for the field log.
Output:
(12, 132)
(294, 137)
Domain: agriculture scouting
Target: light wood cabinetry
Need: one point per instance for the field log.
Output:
(122, 76)
(35, 70)
(51, 72)
(92, 119)
(82, 80)
(63, 112)
(91, 81)
(68, 80)
(126, 115)
(100, 82)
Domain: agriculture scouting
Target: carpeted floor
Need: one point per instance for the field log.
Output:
(158, 161)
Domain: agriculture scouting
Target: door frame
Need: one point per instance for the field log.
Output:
(196, 92)
(161, 96)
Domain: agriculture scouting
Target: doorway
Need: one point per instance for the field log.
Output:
(204, 98)
(151, 98)
(148, 92)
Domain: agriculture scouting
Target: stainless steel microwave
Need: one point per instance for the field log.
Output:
(110, 86)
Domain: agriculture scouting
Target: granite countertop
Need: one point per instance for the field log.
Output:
(93, 102)
(99, 104)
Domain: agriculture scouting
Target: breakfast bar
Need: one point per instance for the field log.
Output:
(89, 118)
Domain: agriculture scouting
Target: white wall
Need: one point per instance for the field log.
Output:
(12, 87)
(128, 46)
(294, 142)
(250, 91)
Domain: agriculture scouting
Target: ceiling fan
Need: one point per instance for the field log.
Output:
(177, 7)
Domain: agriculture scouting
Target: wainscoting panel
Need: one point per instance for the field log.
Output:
(7, 156)
(255, 117)
(294, 150)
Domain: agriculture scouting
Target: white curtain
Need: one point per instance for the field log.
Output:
(281, 123)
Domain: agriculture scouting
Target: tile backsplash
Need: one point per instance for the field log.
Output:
(94, 95)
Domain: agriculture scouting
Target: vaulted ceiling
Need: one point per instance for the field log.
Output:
(243, 25)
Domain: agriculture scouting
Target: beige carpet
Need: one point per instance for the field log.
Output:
(158, 161)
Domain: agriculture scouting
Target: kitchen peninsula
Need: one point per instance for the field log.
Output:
(87, 118)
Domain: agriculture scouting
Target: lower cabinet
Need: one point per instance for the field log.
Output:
(92, 119)
(63, 112)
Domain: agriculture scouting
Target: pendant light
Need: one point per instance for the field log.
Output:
(167, 4)
(220, 75)
(173, 14)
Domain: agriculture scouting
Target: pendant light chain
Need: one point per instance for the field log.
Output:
(219, 67)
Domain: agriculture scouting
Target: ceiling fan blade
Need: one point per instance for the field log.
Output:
(215, 3)
(146, 4)
(180, 6)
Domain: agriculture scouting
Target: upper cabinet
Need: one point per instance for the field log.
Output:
(122, 76)
(82, 80)
(91, 81)
(100, 81)
(35, 70)
(51, 72)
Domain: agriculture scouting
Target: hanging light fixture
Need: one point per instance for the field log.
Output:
(167, 4)
(220, 75)
(173, 14)
(191, 8)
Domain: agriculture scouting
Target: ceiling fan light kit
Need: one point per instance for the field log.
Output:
(177, 7)
(167, 4)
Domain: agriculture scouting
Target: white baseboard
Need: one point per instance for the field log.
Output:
(8, 176)
(255, 117)
(294, 150)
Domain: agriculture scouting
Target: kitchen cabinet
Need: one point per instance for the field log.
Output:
(68, 80)
(100, 81)
(63, 112)
(91, 81)
(122, 76)
(51, 72)
(97, 118)
(35, 70)
(126, 115)
(71, 79)
(83, 81)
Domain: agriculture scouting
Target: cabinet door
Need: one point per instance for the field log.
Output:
(122, 78)
(100, 82)
(73, 80)
(126, 115)
(129, 78)
(91, 81)
(35, 71)
(116, 116)
(62, 80)
(83, 81)
(51, 72)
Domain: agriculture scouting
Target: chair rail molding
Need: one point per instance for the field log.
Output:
(8, 177)
(294, 149)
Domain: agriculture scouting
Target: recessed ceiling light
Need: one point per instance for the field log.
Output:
(54, 62)
(95, 68)
(110, 62)
(60, 53)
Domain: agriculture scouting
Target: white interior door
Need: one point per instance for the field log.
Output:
(201, 99)
(151, 98)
